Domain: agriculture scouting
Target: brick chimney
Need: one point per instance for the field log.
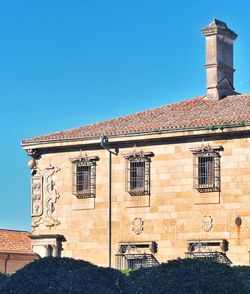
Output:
(219, 59)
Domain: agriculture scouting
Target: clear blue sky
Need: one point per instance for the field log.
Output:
(69, 63)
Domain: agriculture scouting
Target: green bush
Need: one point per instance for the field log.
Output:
(127, 271)
(244, 274)
(65, 275)
(187, 276)
(69, 276)
(3, 278)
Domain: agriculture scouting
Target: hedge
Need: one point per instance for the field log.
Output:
(3, 278)
(187, 276)
(244, 273)
(183, 276)
(65, 275)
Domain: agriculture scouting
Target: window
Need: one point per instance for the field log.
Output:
(83, 179)
(84, 176)
(207, 169)
(136, 255)
(138, 173)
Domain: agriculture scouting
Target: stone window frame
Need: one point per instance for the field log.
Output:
(207, 168)
(84, 176)
(138, 172)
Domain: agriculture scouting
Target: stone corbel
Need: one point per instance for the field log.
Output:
(35, 156)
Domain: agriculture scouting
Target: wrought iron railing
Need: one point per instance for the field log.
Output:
(202, 250)
(206, 169)
(138, 172)
(134, 261)
(213, 256)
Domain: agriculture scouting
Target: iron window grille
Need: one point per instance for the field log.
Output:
(207, 169)
(200, 250)
(130, 257)
(84, 176)
(138, 173)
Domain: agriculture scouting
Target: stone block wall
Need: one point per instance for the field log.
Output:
(172, 214)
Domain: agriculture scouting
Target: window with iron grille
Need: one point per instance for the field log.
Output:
(207, 176)
(138, 173)
(84, 176)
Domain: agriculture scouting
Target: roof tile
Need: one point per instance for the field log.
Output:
(15, 242)
(195, 112)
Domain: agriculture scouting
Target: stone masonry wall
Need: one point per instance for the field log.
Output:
(171, 215)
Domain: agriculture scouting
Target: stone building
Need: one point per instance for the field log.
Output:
(152, 186)
(15, 250)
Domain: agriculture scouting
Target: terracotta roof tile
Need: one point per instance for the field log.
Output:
(15, 241)
(195, 112)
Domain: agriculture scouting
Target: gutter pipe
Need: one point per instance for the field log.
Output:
(6, 263)
(103, 141)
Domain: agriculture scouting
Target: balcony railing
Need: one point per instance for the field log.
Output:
(203, 251)
(134, 261)
(214, 256)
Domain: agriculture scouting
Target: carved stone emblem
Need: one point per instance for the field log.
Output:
(44, 197)
(37, 195)
(205, 148)
(137, 226)
(207, 223)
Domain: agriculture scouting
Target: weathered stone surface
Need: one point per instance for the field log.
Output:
(172, 214)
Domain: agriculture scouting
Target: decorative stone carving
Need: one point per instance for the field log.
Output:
(129, 249)
(37, 195)
(136, 154)
(44, 197)
(204, 148)
(137, 226)
(207, 223)
(34, 154)
(32, 163)
(83, 159)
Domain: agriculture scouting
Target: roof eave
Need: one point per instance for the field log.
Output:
(29, 144)
(31, 253)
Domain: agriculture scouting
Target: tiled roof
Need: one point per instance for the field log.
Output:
(191, 113)
(15, 242)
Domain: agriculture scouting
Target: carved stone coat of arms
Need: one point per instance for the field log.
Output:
(137, 226)
(207, 223)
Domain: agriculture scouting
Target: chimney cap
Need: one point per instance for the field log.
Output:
(218, 27)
